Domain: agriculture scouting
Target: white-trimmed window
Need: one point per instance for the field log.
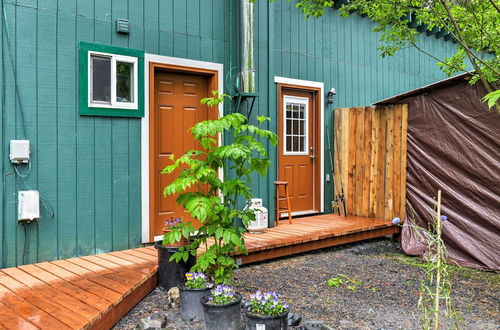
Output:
(296, 125)
(113, 81)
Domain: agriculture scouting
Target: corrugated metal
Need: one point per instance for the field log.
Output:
(88, 168)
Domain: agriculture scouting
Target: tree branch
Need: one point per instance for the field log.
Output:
(468, 52)
(495, 5)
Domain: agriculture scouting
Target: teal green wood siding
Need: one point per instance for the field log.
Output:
(88, 169)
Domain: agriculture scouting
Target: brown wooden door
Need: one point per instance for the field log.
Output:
(298, 149)
(176, 109)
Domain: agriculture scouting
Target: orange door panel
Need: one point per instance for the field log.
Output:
(176, 109)
(298, 148)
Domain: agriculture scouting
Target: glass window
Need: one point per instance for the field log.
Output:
(295, 122)
(101, 79)
(124, 82)
(112, 81)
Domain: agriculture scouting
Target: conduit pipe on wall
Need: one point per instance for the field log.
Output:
(247, 49)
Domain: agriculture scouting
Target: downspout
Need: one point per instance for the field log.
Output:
(247, 47)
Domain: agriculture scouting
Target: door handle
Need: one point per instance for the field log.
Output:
(312, 155)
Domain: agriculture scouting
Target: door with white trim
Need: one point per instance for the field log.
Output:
(298, 148)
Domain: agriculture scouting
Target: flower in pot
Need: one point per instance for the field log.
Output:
(222, 308)
(171, 273)
(266, 311)
(196, 287)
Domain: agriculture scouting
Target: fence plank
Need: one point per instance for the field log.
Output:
(358, 166)
(396, 183)
(381, 163)
(374, 162)
(366, 161)
(344, 149)
(337, 135)
(389, 165)
(352, 157)
(404, 132)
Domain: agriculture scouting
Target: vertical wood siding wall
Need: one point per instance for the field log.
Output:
(370, 159)
(88, 168)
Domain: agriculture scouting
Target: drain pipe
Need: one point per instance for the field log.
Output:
(247, 49)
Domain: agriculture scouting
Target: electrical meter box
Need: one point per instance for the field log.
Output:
(19, 151)
(28, 207)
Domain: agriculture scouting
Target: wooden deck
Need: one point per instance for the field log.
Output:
(88, 292)
(96, 291)
(312, 233)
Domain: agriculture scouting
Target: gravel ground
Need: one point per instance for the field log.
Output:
(386, 297)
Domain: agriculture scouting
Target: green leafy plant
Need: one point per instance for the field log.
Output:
(211, 200)
(268, 303)
(222, 294)
(435, 289)
(343, 281)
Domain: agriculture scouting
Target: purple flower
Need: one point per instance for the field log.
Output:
(444, 218)
(395, 221)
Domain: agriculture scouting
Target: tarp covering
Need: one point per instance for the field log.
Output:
(454, 145)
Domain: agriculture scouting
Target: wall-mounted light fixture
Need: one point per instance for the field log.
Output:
(329, 95)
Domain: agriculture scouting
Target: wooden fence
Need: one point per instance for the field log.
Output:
(370, 159)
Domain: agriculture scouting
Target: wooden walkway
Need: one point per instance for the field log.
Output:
(88, 292)
(96, 291)
(312, 233)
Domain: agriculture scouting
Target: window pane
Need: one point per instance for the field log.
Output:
(302, 110)
(295, 127)
(101, 79)
(288, 126)
(124, 82)
(288, 143)
(296, 144)
(301, 124)
(302, 147)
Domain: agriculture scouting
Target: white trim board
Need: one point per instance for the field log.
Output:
(321, 86)
(150, 58)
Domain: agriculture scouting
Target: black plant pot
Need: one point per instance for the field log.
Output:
(278, 322)
(191, 307)
(170, 273)
(222, 317)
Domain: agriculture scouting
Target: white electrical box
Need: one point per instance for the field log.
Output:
(28, 207)
(19, 151)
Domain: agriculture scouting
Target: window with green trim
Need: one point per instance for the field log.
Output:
(111, 81)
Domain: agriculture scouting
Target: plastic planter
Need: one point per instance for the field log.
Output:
(191, 308)
(256, 322)
(170, 273)
(222, 317)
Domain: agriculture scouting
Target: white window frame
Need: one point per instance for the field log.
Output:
(114, 104)
(305, 102)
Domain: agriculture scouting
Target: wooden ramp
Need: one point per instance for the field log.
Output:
(87, 292)
(312, 233)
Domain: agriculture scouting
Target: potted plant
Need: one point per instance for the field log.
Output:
(222, 308)
(266, 311)
(196, 287)
(215, 201)
(170, 273)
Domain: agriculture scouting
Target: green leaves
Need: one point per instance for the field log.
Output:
(492, 98)
(198, 187)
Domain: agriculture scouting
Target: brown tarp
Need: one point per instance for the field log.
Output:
(454, 145)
